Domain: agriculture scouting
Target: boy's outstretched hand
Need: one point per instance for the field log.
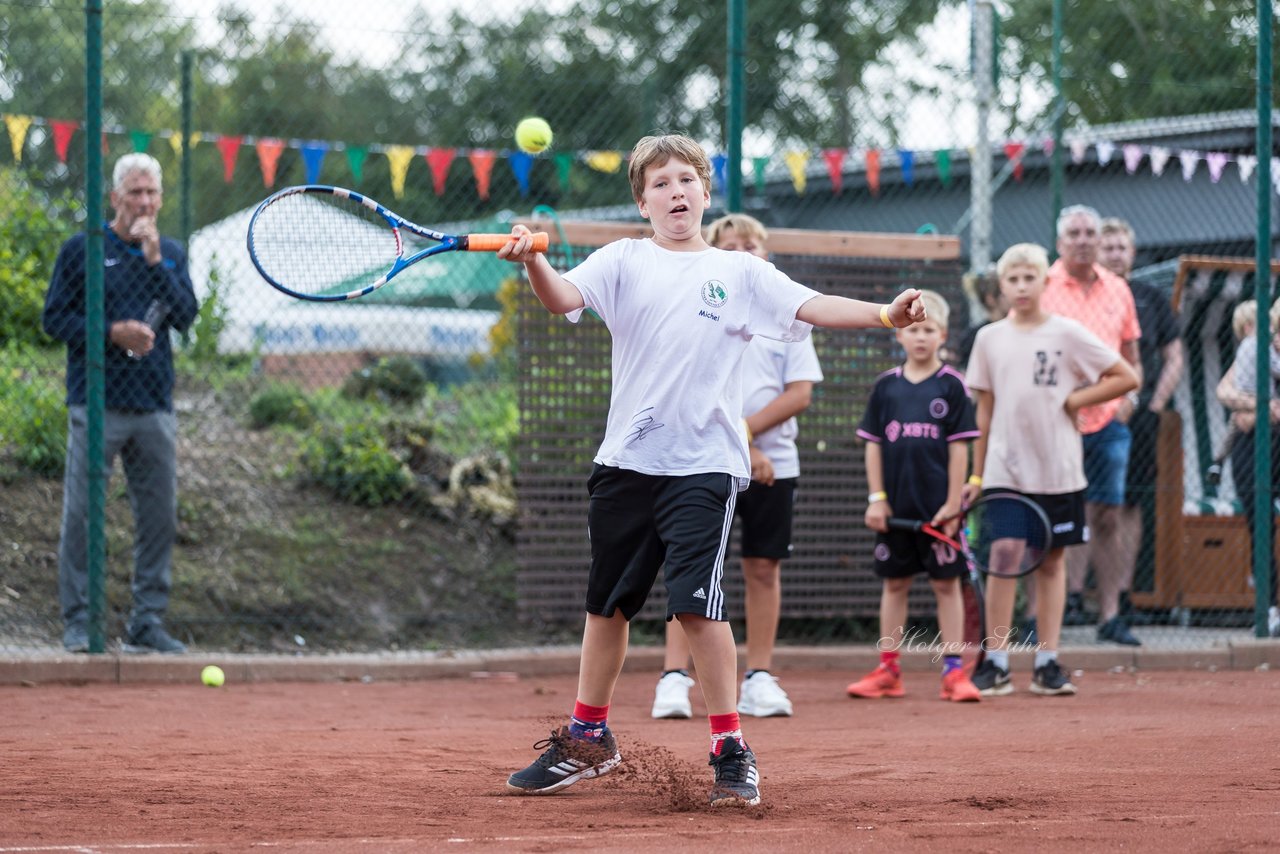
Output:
(520, 249)
(906, 308)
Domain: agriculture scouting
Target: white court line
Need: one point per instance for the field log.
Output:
(995, 822)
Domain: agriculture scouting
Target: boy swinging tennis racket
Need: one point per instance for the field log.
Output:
(674, 454)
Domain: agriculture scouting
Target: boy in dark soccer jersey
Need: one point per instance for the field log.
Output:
(917, 428)
(674, 454)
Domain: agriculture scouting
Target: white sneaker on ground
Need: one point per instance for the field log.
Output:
(671, 699)
(762, 697)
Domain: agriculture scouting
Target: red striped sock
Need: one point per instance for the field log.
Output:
(722, 727)
(889, 659)
(588, 721)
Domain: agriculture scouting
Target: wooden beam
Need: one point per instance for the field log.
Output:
(782, 241)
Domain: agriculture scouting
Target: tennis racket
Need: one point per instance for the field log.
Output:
(1003, 534)
(328, 244)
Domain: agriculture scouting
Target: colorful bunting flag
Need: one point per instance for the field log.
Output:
(356, 155)
(1105, 149)
(720, 172)
(796, 161)
(140, 139)
(1217, 161)
(1189, 159)
(1079, 148)
(312, 159)
(399, 157)
(1014, 151)
(482, 167)
(439, 160)
(175, 142)
(564, 170)
(758, 166)
(873, 171)
(1132, 157)
(521, 165)
(1159, 157)
(834, 158)
(604, 161)
(63, 129)
(943, 158)
(269, 151)
(907, 161)
(229, 146)
(1246, 163)
(17, 127)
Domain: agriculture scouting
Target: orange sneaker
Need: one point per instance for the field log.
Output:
(881, 682)
(958, 688)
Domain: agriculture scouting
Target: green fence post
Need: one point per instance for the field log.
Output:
(1055, 159)
(185, 165)
(737, 97)
(1264, 513)
(95, 336)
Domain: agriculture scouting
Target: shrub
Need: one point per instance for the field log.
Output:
(280, 404)
(355, 462)
(31, 230)
(397, 379)
(33, 414)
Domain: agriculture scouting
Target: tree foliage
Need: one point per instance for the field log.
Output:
(1137, 59)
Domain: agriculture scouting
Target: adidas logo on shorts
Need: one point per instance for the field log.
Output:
(701, 594)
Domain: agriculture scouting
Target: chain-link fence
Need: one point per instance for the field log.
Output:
(345, 472)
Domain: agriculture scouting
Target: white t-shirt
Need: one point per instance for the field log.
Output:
(681, 322)
(1032, 445)
(767, 367)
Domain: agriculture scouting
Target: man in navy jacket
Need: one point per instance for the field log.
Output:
(146, 290)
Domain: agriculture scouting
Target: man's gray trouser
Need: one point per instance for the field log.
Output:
(146, 444)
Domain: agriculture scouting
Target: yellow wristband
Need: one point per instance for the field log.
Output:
(750, 436)
(884, 317)
(975, 480)
(877, 496)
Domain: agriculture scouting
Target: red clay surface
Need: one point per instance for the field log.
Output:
(1152, 761)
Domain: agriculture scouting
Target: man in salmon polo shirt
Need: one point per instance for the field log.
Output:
(1082, 289)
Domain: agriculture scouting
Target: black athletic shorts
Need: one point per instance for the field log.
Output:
(1065, 512)
(766, 513)
(901, 554)
(639, 522)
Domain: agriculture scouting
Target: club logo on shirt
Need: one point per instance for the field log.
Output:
(714, 294)
(938, 408)
(892, 431)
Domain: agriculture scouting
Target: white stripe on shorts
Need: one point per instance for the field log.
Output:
(715, 599)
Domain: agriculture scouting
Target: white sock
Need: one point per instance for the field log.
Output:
(1044, 656)
(1000, 658)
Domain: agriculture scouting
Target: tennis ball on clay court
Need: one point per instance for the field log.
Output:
(213, 676)
(533, 135)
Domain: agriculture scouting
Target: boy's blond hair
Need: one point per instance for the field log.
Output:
(1244, 317)
(739, 223)
(936, 308)
(1031, 254)
(657, 150)
(1115, 225)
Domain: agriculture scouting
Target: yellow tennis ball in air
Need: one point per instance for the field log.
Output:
(213, 676)
(533, 135)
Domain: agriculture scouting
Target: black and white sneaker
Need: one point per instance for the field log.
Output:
(151, 638)
(1051, 680)
(565, 761)
(992, 680)
(737, 778)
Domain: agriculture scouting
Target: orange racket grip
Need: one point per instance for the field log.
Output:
(494, 242)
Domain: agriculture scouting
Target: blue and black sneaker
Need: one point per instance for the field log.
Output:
(565, 761)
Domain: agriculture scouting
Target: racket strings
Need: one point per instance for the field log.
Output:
(1009, 538)
(319, 244)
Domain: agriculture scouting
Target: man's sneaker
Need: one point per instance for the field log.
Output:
(75, 638)
(991, 680)
(1074, 613)
(958, 688)
(881, 682)
(762, 697)
(152, 638)
(737, 778)
(1050, 680)
(671, 699)
(1116, 630)
(1273, 621)
(565, 761)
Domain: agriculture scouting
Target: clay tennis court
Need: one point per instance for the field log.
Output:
(1147, 760)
